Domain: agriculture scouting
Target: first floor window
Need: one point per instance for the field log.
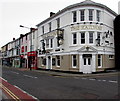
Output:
(47, 43)
(74, 60)
(82, 37)
(99, 60)
(90, 37)
(58, 60)
(74, 38)
(51, 44)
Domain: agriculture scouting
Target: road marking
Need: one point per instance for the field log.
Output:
(84, 78)
(30, 76)
(104, 80)
(92, 79)
(76, 77)
(15, 72)
(3, 79)
(99, 80)
(25, 92)
(113, 81)
(9, 92)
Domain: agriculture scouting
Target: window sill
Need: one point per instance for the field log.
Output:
(75, 45)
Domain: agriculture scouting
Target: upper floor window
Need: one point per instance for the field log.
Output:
(50, 27)
(74, 38)
(90, 37)
(82, 37)
(25, 48)
(26, 37)
(58, 22)
(43, 29)
(47, 43)
(90, 14)
(98, 15)
(51, 44)
(74, 16)
(82, 15)
(98, 38)
(33, 35)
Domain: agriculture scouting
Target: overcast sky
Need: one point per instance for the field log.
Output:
(31, 12)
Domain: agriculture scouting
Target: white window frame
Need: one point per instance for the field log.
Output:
(100, 61)
(91, 37)
(82, 16)
(57, 61)
(90, 16)
(98, 15)
(73, 61)
(82, 38)
(111, 56)
(74, 39)
(74, 17)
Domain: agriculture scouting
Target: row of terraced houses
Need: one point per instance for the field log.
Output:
(78, 38)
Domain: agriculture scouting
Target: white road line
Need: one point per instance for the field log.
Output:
(113, 81)
(3, 79)
(30, 76)
(15, 72)
(84, 78)
(76, 77)
(99, 80)
(104, 80)
(92, 79)
(25, 92)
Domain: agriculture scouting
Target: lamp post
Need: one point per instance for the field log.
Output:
(31, 30)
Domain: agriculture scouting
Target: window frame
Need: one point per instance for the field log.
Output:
(99, 61)
(82, 38)
(74, 61)
(98, 15)
(58, 61)
(90, 14)
(82, 16)
(74, 38)
(74, 13)
(91, 37)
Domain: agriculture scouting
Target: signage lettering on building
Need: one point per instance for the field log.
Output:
(53, 33)
(86, 27)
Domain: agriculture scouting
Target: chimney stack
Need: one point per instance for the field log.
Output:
(51, 14)
(13, 39)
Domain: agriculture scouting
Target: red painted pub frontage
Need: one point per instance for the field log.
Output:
(32, 59)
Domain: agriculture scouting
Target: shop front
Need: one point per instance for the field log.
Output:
(32, 60)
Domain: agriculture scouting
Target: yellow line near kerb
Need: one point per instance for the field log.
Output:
(9, 92)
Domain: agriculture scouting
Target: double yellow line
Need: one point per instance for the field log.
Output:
(9, 93)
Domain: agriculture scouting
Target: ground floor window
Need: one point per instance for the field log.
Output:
(43, 61)
(74, 61)
(53, 61)
(58, 61)
(99, 60)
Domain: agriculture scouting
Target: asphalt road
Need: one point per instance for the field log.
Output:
(45, 86)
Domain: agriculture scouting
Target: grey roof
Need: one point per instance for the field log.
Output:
(84, 3)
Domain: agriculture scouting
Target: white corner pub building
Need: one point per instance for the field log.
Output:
(78, 38)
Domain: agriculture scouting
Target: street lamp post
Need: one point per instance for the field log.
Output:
(31, 30)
